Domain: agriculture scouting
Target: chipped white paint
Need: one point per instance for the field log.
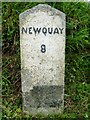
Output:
(42, 42)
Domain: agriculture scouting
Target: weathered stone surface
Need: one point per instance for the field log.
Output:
(42, 42)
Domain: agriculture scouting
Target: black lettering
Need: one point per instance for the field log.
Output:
(36, 30)
(50, 30)
(43, 48)
(30, 30)
(61, 30)
(56, 31)
(24, 30)
(44, 31)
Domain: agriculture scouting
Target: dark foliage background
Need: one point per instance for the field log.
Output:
(77, 63)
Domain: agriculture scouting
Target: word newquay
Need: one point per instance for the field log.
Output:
(44, 30)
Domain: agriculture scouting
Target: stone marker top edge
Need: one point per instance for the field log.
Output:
(42, 7)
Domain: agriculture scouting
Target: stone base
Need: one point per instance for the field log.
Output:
(43, 111)
(44, 100)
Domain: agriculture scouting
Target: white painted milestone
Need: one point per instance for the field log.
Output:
(42, 43)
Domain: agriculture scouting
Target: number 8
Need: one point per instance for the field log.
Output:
(43, 48)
